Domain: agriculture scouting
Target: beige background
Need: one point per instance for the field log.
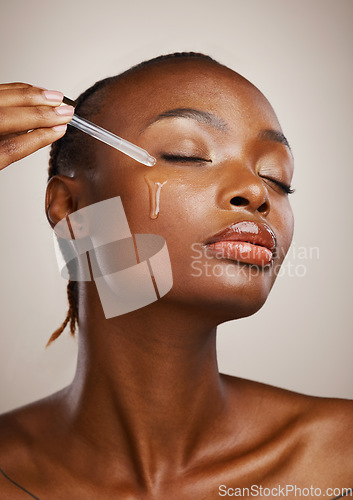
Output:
(299, 53)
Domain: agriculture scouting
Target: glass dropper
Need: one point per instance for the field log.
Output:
(126, 147)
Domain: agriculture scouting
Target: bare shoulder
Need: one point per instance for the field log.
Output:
(22, 432)
(25, 422)
(326, 437)
(329, 422)
(320, 429)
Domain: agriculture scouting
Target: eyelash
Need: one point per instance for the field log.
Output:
(284, 187)
(196, 159)
(184, 159)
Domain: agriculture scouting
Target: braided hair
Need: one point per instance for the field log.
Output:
(73, 149)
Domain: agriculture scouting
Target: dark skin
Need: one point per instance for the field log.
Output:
(148, 415)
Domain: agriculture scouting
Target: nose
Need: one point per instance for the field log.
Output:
(246, 190)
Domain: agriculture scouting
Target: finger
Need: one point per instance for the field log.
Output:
(15, 85)
(14, 120)
(19, 147)
(15, 134)
(30, 96)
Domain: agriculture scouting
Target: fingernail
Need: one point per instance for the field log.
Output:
(53, 95)
(65, 110)
(59, 128)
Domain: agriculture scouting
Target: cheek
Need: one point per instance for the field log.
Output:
(159, 201)
(167, 204)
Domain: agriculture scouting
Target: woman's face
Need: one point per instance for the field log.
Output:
(220, 179)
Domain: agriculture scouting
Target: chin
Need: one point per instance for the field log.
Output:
(241, 308)
(240, 304)
(225, 297)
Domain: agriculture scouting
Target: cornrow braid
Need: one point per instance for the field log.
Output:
(74, 149)
(72, 313)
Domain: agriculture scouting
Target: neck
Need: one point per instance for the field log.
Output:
(147, 384)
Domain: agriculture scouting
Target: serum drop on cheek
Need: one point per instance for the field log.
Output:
(154, 189)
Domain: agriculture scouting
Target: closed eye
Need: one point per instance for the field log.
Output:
(197, 159)
(287, 189)
(184, 159)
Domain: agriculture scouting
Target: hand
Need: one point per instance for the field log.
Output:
(30, 118)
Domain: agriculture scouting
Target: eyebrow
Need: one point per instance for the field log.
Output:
(274, 135)
(217, 123)
(195, 114)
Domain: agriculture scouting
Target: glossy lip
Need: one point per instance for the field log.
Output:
(257, 233)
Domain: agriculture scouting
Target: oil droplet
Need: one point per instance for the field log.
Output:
(154, 189)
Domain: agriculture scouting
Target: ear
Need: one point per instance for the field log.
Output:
(61, 198)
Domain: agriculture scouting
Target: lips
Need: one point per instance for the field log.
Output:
(245, 241)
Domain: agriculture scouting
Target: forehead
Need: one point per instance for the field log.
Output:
(140, 96)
